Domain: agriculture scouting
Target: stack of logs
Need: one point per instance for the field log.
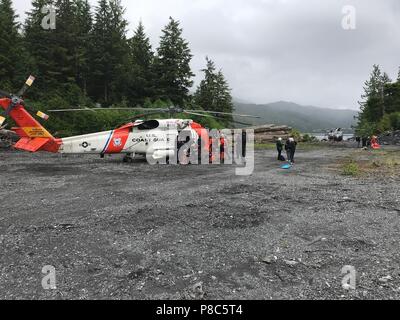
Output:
(270, 133)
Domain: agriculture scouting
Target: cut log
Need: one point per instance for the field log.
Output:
(270, 132)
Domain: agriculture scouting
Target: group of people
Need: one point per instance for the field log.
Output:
(365, 142)
(290, 148)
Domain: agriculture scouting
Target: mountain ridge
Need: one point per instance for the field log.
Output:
(303, 118)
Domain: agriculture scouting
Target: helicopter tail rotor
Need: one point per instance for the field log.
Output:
(17, 99)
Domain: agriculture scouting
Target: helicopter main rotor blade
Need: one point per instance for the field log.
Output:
(242, 123)
(225, 113)
(233, 121)
(26, 86)
(171, 110)
(198, 114)
(2, 123)
(5, 94)
(102, 109)
(145, 115)
(216, 117)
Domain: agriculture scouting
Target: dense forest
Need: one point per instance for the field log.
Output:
(380, 105)
(85, 58)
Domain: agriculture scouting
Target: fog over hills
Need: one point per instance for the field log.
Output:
(303, 118)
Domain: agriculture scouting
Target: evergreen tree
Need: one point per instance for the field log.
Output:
(214, 93)
(60, 55)
(141, 52)
(141, 78)
(172, 65)
(9, 44)
(82, 55)
(371, 105)
(380, 105)
(108, 50)
(83, 20)
(205, 93)
(99, 67)
(392, 98)
(385, 81)
(65, 43)
(71, 49)
(119, 51)
(39, 43)
(223, 97)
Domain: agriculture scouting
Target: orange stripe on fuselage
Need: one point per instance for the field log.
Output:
(118, 140)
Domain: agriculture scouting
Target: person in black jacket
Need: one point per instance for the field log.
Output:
(358, 140)
(364, 142)
(290, 148)
(279, 147)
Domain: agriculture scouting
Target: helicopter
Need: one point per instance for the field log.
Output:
(335, 135)
(156, 139)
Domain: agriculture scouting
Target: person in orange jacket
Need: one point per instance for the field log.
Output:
(375, 143)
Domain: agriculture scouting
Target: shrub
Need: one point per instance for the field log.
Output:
(309, 139)
(351, 169)
(295, 134)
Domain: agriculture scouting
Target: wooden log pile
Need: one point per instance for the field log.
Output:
(270, 133)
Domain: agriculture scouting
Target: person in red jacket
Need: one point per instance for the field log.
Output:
(375, 143)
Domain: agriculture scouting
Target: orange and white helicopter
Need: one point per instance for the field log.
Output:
(156, 139)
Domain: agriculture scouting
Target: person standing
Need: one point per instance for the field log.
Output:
(375, 143)
(364, 142)
(279, 147)
(290, 147)
(358, 140)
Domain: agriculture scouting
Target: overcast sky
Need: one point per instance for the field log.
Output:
(271, 50)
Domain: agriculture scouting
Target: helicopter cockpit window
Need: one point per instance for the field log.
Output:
(149, 125)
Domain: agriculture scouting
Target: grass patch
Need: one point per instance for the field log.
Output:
(265, 146)
(351, 169)
(373, 162)
(388, 160)
(311, 146)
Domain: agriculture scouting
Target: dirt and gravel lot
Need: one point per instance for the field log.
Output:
(115, 230)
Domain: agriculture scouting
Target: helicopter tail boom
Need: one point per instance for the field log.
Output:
(34, 137)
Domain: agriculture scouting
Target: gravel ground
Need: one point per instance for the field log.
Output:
(114, 230)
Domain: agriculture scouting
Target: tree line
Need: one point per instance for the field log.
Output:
(88, 59)
(380, 104)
